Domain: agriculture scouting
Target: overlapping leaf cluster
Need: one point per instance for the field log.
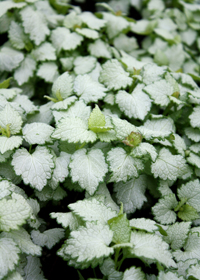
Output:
(83, 113)
(171, 30)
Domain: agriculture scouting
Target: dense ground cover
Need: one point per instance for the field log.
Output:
(99, 140)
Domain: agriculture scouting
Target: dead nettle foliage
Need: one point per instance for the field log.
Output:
(84, 109)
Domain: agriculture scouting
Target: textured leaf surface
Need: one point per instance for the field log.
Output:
(23, 240)
(4, 7)
(176, 56)
(103, 194)
(159, 92)
(84, 64)
(193, 133)
(44, 115)
(60, 171)
(9, 116)
(121, 229)
(123, 128)
(44, 52)
(164, 209)
(107, 136)
(193, 159)
(34, 24)
(76, 110)
(34, 168)
(135, 105)
(184, 265)
(187, 212)
(33, 269)
(143, 150)
(34, 221)
(191, 249)
(114, 24)
(8, 93)
(165, 34)
(8, 172)
(169, 275)
(25, 71)
(194, 117)
(4, 156)
(194, 271)
(13, 212)
(48, 71)
(152, 73)
(191, 191)
(67, 63)
(97, 121)
(168, 166)
(47, 193)
(122, 165)
(92, 210)
(17, 36)
(99, 49)
(114, 76)
(10, 58)
(130, 61)
(87, 89)
(63, 105)
(133, 273)
(8, 256)
(37, 133)
(89, 242)
(157, 128)
(143, 224)
(73, 130)
(177, 234)
(92, 21)
(72, 19)
(131, 193)
(66, 219)
(88, 33)
(127, 44)
(108, 269)
(143, 26)
(47, 238)
(63, 85)
(6, 188)
(152, 247)
(70, 41)
(179, 144)
(8, 144)
(88, 168)
(94, 74)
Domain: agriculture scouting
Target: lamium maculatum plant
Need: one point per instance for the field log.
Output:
(99, 141)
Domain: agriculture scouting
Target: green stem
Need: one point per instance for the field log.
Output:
(51, 98)
(117, 256)
(181, 203)
(95, 276)
(81, 146)
(80, 275)
(120, 263)
(132, 86)
(168, 108)
(30, 149)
